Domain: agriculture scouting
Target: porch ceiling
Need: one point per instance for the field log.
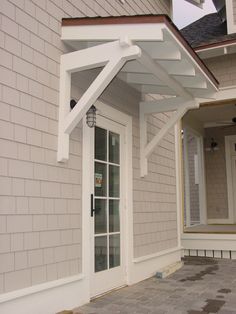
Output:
(167, 65)
(214, 116)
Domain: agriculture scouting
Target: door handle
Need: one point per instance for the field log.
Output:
(92, 209)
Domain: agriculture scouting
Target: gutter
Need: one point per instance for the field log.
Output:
(224, 45)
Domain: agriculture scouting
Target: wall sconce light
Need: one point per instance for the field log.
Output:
(91, 116)
(213, 146)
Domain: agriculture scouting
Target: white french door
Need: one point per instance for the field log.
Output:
(107, 207)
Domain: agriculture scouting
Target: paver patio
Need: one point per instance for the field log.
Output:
(202, 285)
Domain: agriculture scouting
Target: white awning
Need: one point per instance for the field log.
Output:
(147, 52)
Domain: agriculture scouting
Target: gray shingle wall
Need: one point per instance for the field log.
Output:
(155, 226)
(224, 69)
(40, 200)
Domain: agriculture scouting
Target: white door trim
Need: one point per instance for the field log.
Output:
(230, 191)
(125, 120)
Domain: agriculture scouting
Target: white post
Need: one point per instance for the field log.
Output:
(143, 141)
(186, 181)
(64, 109)
(202, 185)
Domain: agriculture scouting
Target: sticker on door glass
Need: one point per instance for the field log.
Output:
(98, 180)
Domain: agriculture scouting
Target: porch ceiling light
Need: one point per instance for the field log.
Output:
(91, 116)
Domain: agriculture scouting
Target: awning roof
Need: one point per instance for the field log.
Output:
(162, 44)
(147, 52)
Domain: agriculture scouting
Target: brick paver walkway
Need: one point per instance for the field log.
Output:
(201, 286)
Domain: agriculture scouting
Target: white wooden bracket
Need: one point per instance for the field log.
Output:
(112, 56)
(176, 104)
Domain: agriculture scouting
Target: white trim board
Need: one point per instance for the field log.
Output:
(179, 179)
(47, 298)
(146, 268)
(224, 242)
(155, 255)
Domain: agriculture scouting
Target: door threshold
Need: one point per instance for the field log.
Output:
(107, 292)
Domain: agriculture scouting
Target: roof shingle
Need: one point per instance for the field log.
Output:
(207, 30)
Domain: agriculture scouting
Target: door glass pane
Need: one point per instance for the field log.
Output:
(100, 216)
(100, 179)
(114, 147)
(114, 250)
(100, 144)
(114, 216)
(114, 181)
(100, 253)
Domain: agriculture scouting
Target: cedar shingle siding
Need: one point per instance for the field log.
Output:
(40, 200)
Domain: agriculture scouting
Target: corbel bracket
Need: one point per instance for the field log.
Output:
(112, 56)
(176, 104)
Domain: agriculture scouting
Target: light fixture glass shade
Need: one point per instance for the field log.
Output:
(91, 116)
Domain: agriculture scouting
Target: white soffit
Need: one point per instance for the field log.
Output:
(167, 65)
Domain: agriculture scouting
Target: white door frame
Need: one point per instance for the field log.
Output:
(230, 178)
(87, 233)
(202, 178)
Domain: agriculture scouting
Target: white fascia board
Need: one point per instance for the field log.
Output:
(136, 32)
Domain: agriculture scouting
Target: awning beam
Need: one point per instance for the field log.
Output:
(161, 105)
